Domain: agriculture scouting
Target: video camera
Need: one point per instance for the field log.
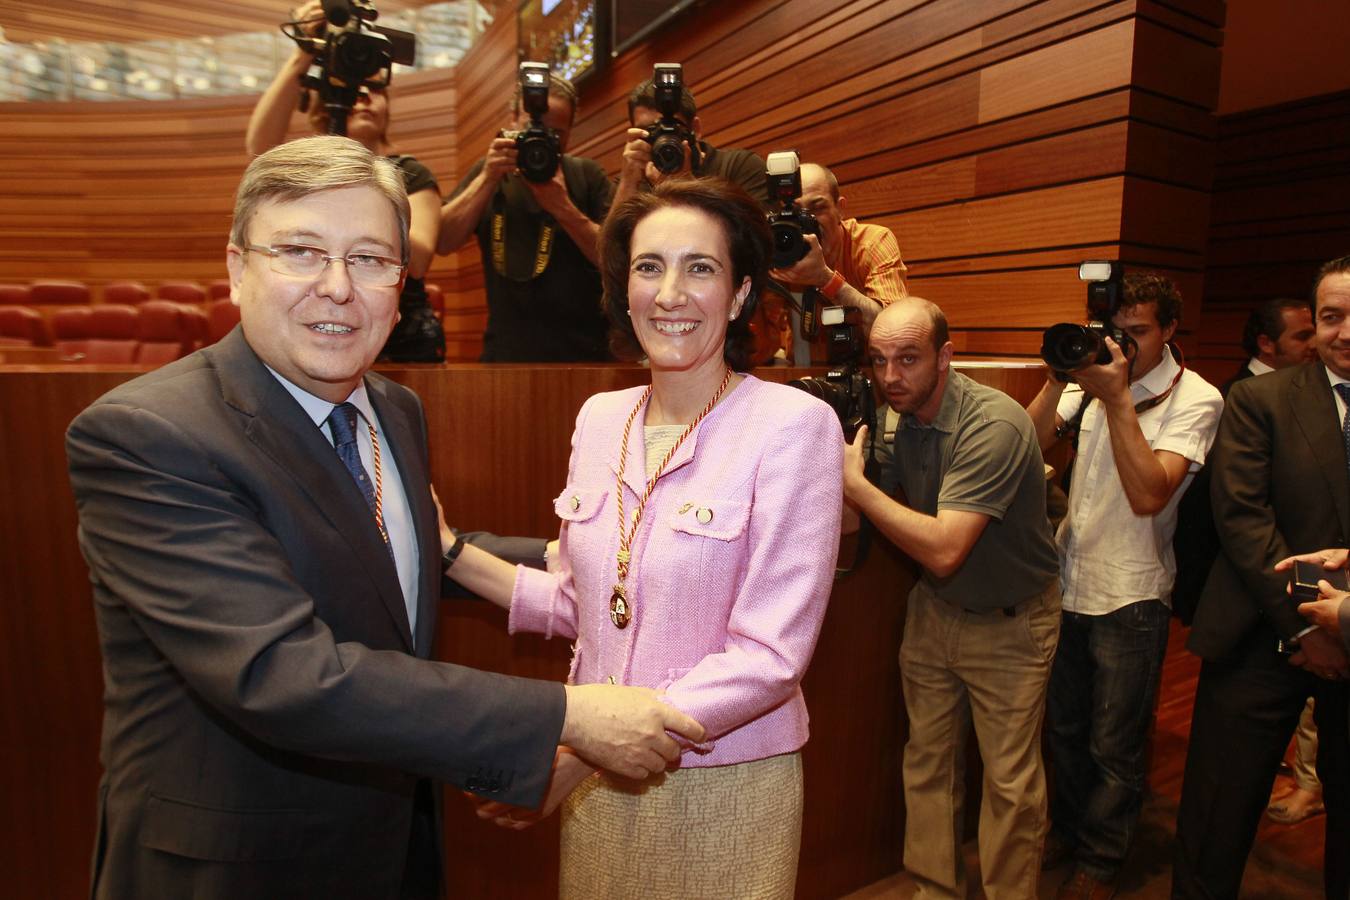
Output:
(1067, 347)
(669, 135)
(791, 224)
(352, 55)
(537, 147)
(844, 387)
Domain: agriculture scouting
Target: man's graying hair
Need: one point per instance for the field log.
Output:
(309, 165)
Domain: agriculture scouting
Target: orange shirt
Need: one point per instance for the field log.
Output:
(869, 259)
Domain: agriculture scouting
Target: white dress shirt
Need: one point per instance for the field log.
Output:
(1111, 557)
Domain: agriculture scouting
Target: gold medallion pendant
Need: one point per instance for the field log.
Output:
(619, 613)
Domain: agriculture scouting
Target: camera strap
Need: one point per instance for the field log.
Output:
(1072, 425)
(543, 247)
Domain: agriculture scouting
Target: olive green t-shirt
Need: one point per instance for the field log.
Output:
(979, 454)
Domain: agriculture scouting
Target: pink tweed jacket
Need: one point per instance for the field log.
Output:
(731, 571)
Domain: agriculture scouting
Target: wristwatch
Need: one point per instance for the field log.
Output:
(452, 554)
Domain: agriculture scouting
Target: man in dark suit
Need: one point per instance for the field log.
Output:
(1277, 334)
(266, 558)
(1280, 487)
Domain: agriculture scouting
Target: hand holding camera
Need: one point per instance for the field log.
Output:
(1108, 381)
(810, 270)
(1068, 348)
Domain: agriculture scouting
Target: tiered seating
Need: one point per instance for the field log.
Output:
(127, 326)
(23, 326)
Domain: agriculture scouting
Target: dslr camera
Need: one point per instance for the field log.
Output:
(352, 55)
(790, 224)
(537, 147)
(669, 135)
(844, 387)
(1067, 347)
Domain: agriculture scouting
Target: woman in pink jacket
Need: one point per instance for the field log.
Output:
(698, 544)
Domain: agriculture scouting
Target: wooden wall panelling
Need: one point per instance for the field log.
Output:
(1280, 208)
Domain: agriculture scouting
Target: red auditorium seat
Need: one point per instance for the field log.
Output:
(70, 327)
(58, 293)
(221, 316)
(163, 332)
(14, 294)
(23, 326)
(128, 293)
(97, 334)
(195, 324)
(217, 289)
(181, 292)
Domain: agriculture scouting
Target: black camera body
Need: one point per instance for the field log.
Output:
(668, 136)
(538, 149)
(353, 55)
(790, 224)
(844, 387)
(1068, 346)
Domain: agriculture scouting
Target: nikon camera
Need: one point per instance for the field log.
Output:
(353, 55)
(844, 387)
(668, 136)
(537, 147)
(1067, 347)
(790, 224)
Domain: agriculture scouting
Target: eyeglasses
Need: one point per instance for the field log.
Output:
(365, 269)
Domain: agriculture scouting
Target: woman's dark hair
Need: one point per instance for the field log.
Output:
(748, 241)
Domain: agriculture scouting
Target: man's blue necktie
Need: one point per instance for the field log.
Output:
(342, 422)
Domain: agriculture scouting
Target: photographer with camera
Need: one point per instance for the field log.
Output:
(418, 336)
(846, 262)
(535, 212)
(665, 139)
(982, 619)
(1142, 425)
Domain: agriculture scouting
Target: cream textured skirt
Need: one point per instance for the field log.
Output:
(726, 831)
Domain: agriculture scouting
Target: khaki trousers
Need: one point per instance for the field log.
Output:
(991, 670)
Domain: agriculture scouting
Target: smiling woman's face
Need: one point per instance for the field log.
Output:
(680, 291)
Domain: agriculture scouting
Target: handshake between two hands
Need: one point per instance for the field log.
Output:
(630, 731)
(1322, 651)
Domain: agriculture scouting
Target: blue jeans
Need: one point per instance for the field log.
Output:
(1098, 714)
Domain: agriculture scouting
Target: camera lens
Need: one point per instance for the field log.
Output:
(668, 154)
(788, 245)
(1066, 346)
(536, 157)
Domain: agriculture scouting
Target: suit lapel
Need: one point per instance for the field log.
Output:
(1315, 411)
(280, 429)
(408, 447)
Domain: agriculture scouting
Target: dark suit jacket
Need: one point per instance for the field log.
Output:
(1279, 487)
(266, 712)
(1242, 374)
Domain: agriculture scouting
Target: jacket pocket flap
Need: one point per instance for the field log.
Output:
(578, 504)
(226, 835)
(724, 520)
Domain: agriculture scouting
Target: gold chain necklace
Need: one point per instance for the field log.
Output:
(620, 613)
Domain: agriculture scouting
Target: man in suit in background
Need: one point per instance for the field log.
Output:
(1278, 334)
(1280, 487)
(266, 560)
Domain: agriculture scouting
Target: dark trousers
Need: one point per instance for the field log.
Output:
(1246, 709)
(1098, 713)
